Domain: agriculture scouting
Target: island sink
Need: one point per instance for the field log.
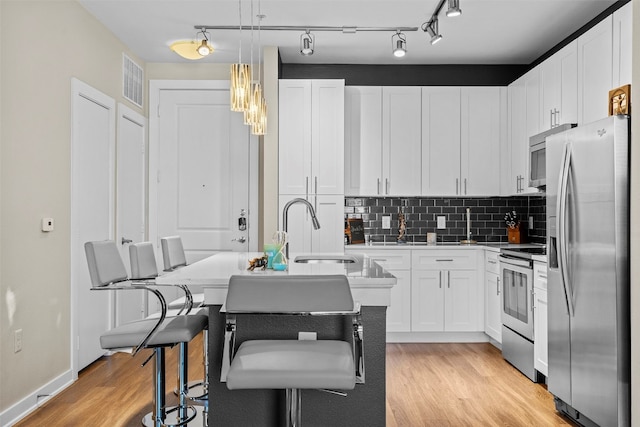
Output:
(325, 259)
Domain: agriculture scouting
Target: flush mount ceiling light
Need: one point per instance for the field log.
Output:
(454, 8)
(432, 30)
(307, 43)
(399, 44)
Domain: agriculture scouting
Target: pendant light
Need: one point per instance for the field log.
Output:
(259, 125)
(250, 112)
(240, 77)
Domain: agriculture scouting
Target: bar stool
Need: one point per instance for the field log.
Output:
(107, 272)
(173, 257)
(144, 267)
(292, 364)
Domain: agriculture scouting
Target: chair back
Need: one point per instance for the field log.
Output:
(105, 263)
(289, 294)
(172, 253)
(143, 261)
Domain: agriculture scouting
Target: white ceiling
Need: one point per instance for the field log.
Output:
(487, 32)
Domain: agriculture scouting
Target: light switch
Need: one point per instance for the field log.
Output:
(47, 224)
(442, 222)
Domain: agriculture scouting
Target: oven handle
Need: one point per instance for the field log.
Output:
(519, 262)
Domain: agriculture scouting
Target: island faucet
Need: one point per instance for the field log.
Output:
(285, 218)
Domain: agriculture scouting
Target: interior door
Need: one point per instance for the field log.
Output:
(202, 172)
(131, 201)
(92, 215)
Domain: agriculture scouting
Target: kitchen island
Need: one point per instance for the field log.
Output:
(364, 406)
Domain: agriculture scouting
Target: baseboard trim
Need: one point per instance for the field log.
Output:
(33, 401)
(436, 337)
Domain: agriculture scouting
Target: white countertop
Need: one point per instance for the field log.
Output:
(438, 246)
(370, 283)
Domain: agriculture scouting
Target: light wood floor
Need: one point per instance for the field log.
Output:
(427, 385)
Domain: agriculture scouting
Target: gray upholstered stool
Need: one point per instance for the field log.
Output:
(144, 267)
(107, 272)
(292, 364)
(173, 257)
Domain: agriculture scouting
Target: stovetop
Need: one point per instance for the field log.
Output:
(525, 252)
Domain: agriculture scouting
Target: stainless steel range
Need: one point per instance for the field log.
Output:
(516, 275)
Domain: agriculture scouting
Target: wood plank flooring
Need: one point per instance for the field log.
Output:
(427, 385)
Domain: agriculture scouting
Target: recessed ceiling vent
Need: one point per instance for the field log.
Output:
(132, 81)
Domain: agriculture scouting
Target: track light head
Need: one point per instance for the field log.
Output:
(205, 48)
(307, 43)
(454, 8)
(432, 30)
(399, 45)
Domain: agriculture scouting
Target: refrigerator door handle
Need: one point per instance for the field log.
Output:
(561, 206)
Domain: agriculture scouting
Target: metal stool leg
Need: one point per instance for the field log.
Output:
(158, 388)
(294, 409)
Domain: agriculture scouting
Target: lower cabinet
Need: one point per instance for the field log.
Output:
(492, 297)
(540, 323)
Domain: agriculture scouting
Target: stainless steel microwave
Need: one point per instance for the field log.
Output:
(537, 158)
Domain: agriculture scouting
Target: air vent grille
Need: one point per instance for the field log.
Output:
(132, 81)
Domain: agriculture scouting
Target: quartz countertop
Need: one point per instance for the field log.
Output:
(494, 246)
(370, 283)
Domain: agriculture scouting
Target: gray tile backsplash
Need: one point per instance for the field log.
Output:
(487, 217)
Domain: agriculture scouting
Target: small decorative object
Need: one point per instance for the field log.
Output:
(356, 230)
(402, 228)
(280, 262)
(620, 100)
(270, 250)
(432, 238)
(258, 263)
(513, 227)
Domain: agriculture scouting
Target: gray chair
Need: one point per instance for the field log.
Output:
(292, 364)
(107, 272)
(144, 268)
(173, 257)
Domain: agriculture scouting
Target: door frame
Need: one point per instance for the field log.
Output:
(155, 87)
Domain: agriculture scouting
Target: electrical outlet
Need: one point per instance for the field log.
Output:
(307, 336)
(386, 221)
(530, 223)
(442, 222)
(47, 224)
(17, 340)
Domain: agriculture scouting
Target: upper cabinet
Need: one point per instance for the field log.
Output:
(401, 141)
(595, 62)
(559, 88)
(311, 140)
(622, 37)
(382, 141)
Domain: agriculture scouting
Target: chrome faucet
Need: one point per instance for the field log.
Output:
(285, 218)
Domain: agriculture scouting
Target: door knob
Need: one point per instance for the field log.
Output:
(241, 239)
(126, 241)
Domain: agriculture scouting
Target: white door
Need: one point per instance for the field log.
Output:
(427, 300)
(131, 201)
(202, 176)
(461, 297)
(92, 215)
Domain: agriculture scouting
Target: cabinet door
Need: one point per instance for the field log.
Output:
(518, 122)
(480, 141)
(327, 136)
(399, 312)
(492, 320)
(299, 225)
(595, 71)
(401, 142)
(559, 88)
(330, 212)
(540, 340)
(363, 141)
(463, 301)
(427, 300)
(294, 146)
(549, 91)
(622, 49)
(441, 141)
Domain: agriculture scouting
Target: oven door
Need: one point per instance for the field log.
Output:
(517, 295)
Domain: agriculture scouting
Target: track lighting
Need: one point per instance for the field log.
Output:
(454, 8)
(432, 30)
(399, 44)
(193, 49)
(307, 43)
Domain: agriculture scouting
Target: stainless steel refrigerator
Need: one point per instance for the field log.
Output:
(588, 272)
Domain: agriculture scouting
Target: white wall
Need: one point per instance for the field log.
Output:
(35, 178)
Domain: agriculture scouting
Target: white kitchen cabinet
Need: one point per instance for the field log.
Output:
(446, 295)
(595, 70)
(622, 49)
(559, 88)
(492, 313)
(363, 141)
(540, 322)
(302, 237)
(461, 141)
(401, 141)
(524, 119)
(311, 137)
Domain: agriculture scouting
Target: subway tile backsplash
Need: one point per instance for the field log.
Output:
(487, 217)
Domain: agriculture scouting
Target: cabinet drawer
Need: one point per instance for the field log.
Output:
(460, 259)
(540, 275)
(491, 262)
(389, 260)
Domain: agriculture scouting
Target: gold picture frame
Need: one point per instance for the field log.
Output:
(620, 100)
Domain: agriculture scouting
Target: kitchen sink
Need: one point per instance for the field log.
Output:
(325, 259)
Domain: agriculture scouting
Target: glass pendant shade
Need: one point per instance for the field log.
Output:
(240, 87)
(251, 115)
(260, 127)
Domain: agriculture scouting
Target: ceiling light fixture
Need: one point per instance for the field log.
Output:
(432, 30)
(399, 44)
(259, 126)
(307, 43)
(205, 48)
(240, 76)
(454, 8)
